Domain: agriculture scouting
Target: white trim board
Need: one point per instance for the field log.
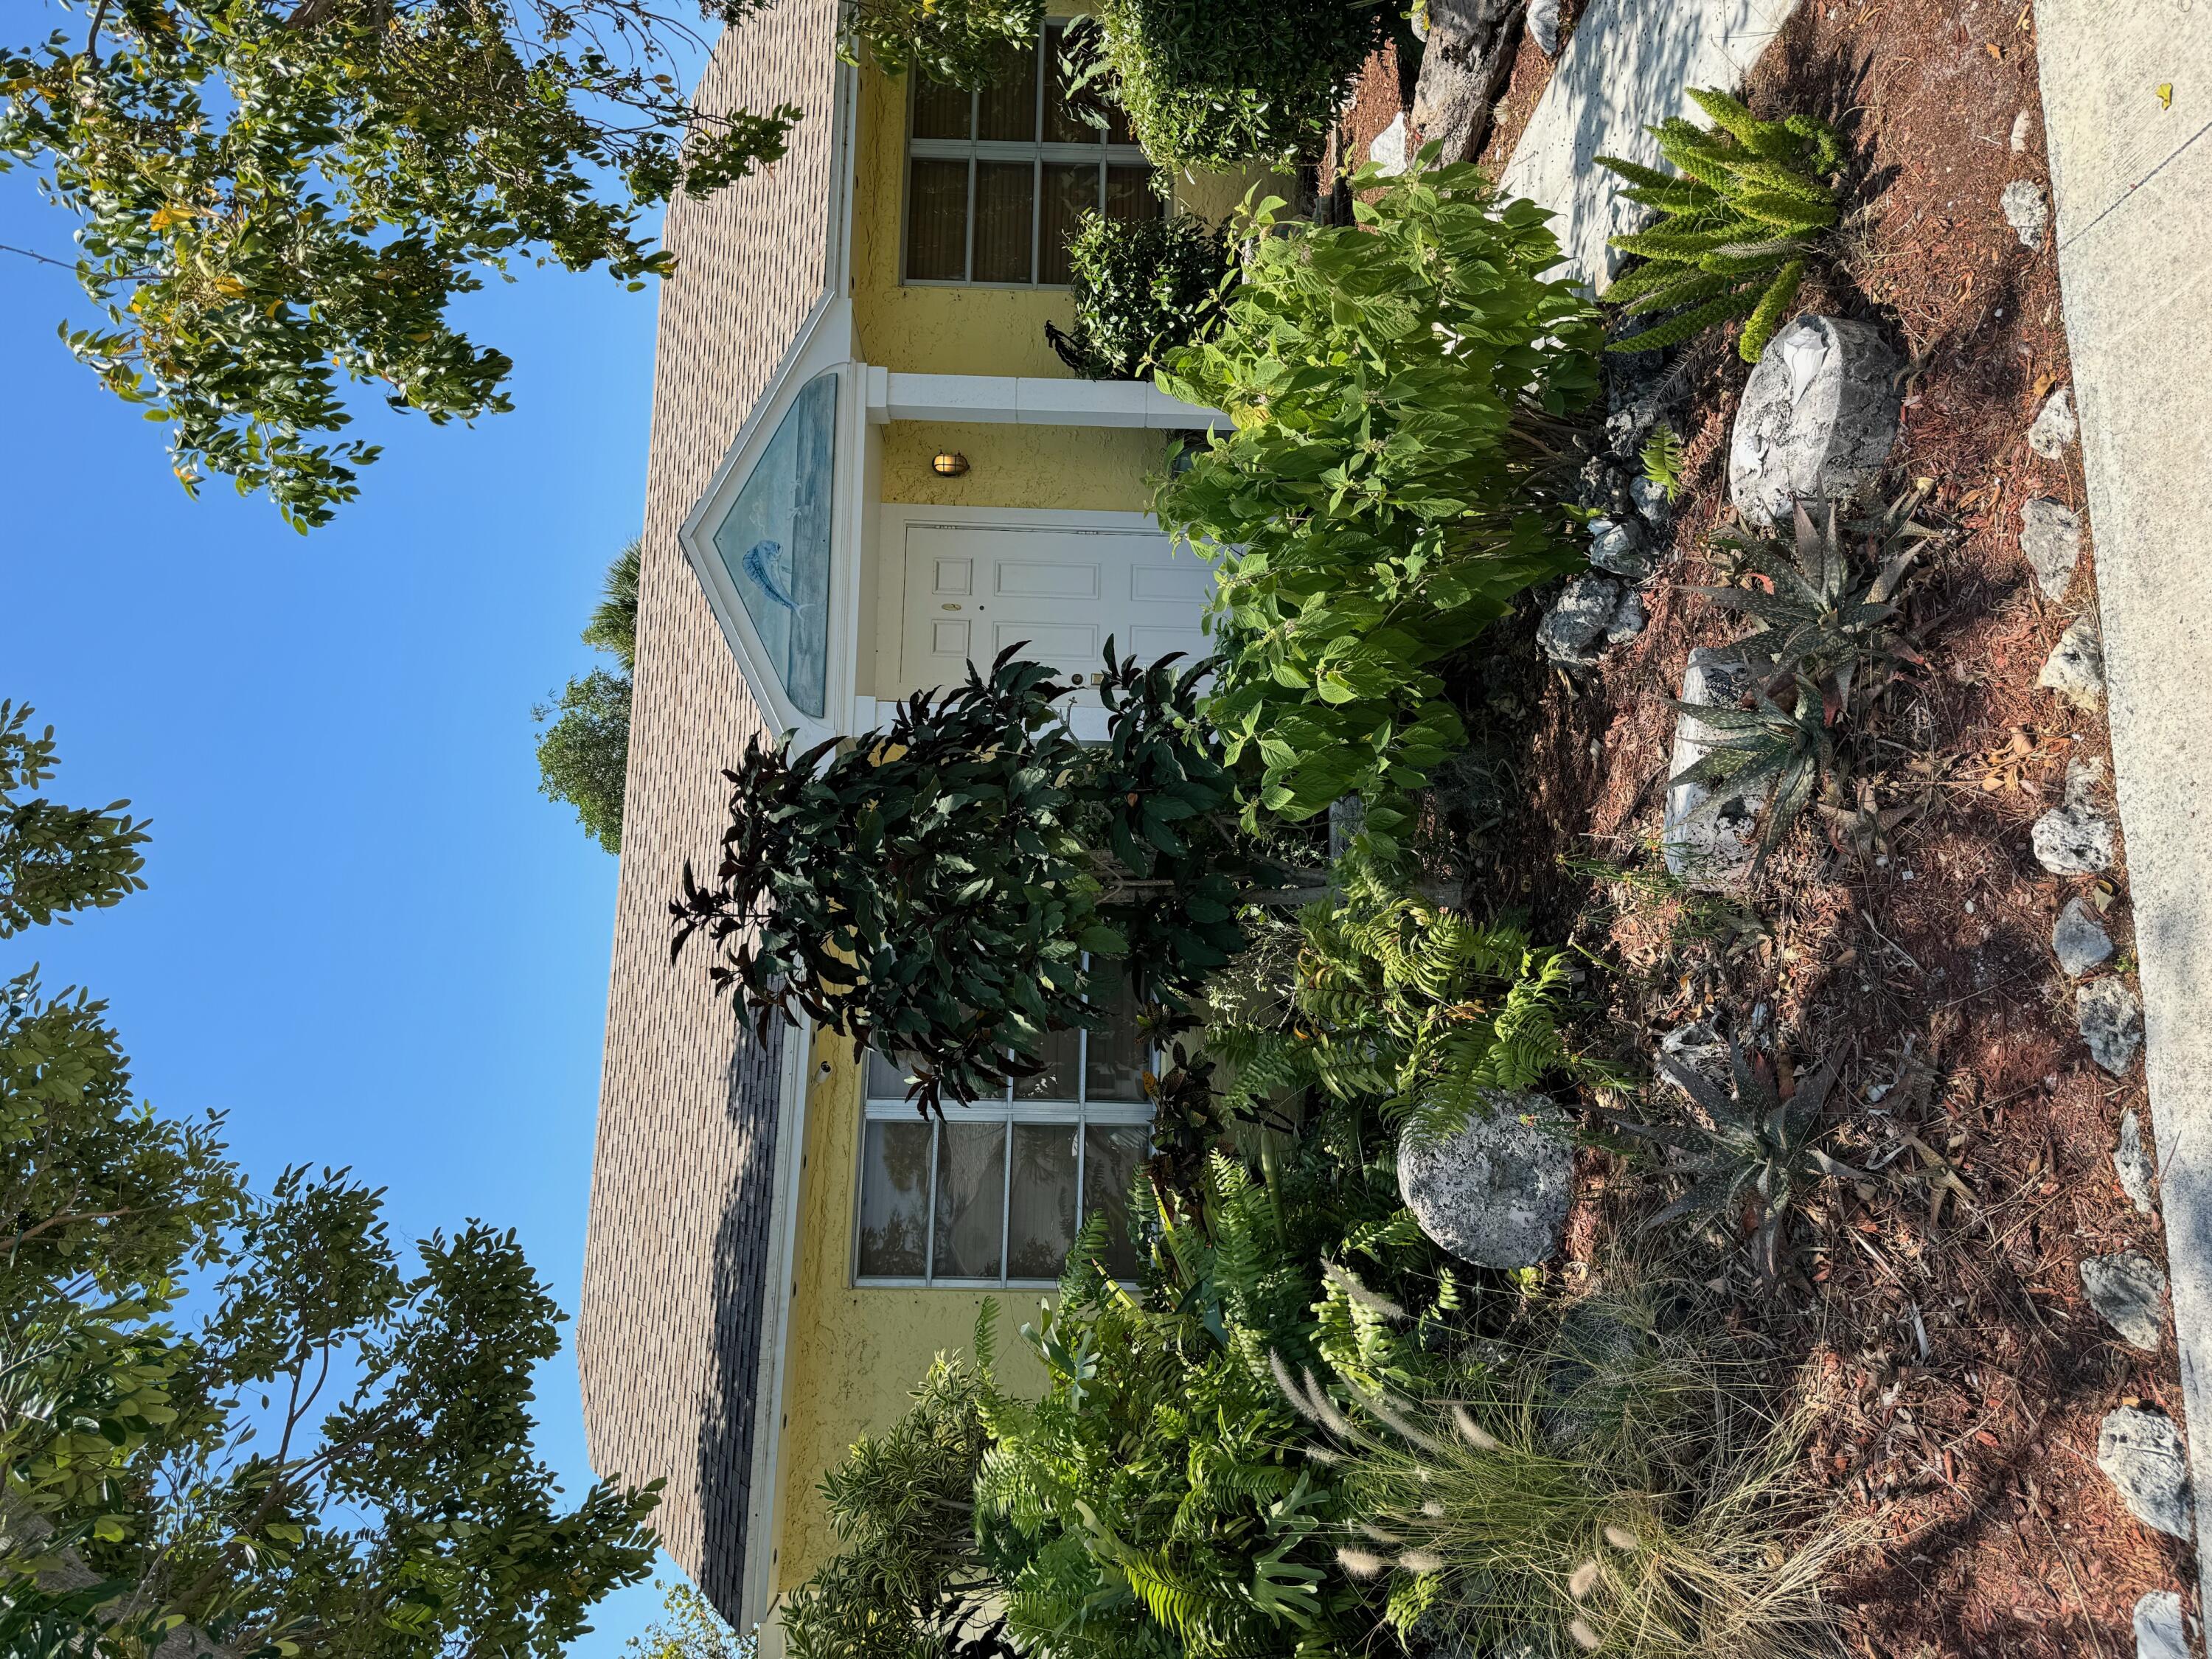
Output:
(1028, 400)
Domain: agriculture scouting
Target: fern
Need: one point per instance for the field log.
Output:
(1663, 460)
(1740, 215)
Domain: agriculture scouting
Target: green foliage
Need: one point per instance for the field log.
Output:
(1663, 460)
(689, 1628)
(613, 626)
(908, 1582)
(54, 859)
(1212, 83)
(1399, 1001)
(1738, 220)
(1393, 480)
(1143, 288)
(957, 43)
(1826, 642)
(271, 197)
(1754, 1154)
(931, 890)
(1609, 1485)
(583, 757)
(184, 1468)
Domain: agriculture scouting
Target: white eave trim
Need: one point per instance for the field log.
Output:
(1026, 400)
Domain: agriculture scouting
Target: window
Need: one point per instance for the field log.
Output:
(997, 180)
(774, 544)
(995, 1194)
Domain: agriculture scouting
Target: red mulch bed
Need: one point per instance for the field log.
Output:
(1958, 1375)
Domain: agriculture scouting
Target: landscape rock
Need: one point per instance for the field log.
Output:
(1708, 836)
(2111, 1022)
(2075, 839)
(2075, 667)
(2078, 940)
(1495, 1194)
(2020, 133)
(1544, 26)
(1388, 152)
(2054, 428)
(1468, 53)
(2159, 1633)
(1700, 1047)
(2130, 1292)
(1590, 613)
(1818, 420)
(2131, 1162)
(2027, 211)
(2140, 1454)
(1602, 487)
(1616, 547)
(2051, 536)
(1651, 502)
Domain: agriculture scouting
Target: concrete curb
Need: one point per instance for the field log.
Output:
(1626, 66)
(2132, 178)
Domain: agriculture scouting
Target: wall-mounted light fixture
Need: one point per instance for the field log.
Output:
(950, 464)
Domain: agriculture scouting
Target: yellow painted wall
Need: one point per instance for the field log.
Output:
(1090, 468)
(854, 1353)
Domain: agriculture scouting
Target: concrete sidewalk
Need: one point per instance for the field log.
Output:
(2132, 184)
(1626, 66)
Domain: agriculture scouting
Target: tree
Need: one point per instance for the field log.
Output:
(54, 860)
(162, 1468)
(584, 756)
(689, 1628)
(273, 193)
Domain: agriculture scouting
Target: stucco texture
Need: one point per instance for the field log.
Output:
(853, 1352)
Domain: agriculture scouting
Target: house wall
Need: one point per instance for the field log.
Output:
(853, 1353)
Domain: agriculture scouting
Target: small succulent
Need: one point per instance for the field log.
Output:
(1758, 1153)
(1815, 619)
(1791, 746)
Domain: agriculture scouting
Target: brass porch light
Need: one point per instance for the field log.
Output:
(950, 464)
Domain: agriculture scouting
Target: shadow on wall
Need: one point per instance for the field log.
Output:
(741, 1271)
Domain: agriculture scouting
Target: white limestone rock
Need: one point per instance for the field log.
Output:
(2109, 1018)
(1590, 613)
(2129, 1292)
(1818, 419)
(2159, 1633)
(2051, 536)
(1709, 834)
(2078, 940)
(1495, 1194)
(1544, 26)
(2131, 1162)
(1618, 548)
(1388, 152)
(2027, 211)
(2075, 667)
(2054, 430)
(2075, 839)
(2141, 1454)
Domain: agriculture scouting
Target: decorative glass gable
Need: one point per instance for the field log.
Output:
(775, 543)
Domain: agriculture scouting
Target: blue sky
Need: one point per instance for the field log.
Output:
(366, 935)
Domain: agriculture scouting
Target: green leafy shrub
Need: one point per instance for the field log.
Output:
(1402, 1002)
(1211, 83)
(1739, 219)
(958, 43)
(1393, 480)
(931, 890)
(909, 1581)
(1143, 288)
(1610, 1485)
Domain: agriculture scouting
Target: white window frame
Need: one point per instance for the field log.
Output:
(824, 347)
(1077, 1115)
(972, 149)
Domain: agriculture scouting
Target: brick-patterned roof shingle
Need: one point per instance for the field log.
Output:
(669, 1330)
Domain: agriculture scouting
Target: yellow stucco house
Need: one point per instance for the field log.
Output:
(776, 1245)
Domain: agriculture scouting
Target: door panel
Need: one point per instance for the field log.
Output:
(972, 590)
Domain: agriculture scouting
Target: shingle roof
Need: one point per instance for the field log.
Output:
(668, 1334)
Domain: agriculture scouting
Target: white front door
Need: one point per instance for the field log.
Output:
(970, 589)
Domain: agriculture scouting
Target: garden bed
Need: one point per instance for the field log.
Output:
(1956, 1374)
